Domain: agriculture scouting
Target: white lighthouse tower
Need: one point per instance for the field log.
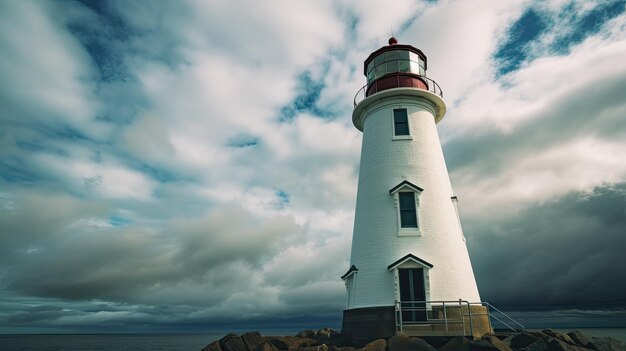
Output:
(408, 248)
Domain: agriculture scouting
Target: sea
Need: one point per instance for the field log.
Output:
(156, 342)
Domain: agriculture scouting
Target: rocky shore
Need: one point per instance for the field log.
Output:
(330, 340)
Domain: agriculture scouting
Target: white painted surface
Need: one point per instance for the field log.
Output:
(386, 162)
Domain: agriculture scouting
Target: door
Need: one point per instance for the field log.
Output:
(411, 293)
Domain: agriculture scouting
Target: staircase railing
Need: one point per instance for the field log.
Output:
(504, 316)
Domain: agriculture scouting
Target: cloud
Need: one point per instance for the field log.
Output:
(562, 253)
(194, 164)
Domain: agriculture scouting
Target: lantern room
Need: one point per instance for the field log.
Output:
(395, 66)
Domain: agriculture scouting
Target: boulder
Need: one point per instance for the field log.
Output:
(539, 345)
(252, 340)
(455, 344)
(324, 335)
(521, 340)
(307, 334)
(555, 344)
(376, 345)
(264, 346)
(579, 338)
(232, 342)
(321, 347)
(401, 342)
(495, 342)
(607, 344)
(214, 346)
(278, 343)
(486, 343)
(560, 336)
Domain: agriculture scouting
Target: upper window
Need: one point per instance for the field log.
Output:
(400, 122)
(408, 215)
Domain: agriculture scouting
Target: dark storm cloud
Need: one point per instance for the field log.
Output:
(128, 262)
(565, 252)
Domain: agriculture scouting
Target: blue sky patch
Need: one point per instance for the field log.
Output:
(309, 91)
(588, 24)
(101, 38)
(283, 198)
(118, 220)
(243, 140)
(513, 51)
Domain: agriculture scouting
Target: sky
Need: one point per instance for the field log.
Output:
(192, 165)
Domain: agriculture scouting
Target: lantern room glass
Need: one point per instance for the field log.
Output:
(394, 61)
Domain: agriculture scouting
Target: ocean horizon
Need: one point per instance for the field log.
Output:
(171, 341)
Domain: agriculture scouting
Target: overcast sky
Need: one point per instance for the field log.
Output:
(188, 165)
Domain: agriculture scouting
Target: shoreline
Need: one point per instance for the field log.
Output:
(327, 339)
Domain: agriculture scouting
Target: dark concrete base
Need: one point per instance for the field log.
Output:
(370, 323)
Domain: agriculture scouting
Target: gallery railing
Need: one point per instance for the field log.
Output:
(398, 80)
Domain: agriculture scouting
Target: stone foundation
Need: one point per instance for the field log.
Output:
(366, 324)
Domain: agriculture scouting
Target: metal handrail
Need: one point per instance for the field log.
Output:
(426, 306)
(505, 315)
(431, 86)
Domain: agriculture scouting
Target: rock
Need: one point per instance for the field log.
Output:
(562, 337)
(252, 340)
(555, 344)
(376, 345)
(496, 343)
(455, 344)
(232, 342)
(325, 334)
(346, 348)
(214, 346)
(279, 344)
(521, 340)
(579, 338)
(321, 347)
(607, 344)
(264, 346)
(539, 345)
(401, 342)
(486, 343)
(307, 334)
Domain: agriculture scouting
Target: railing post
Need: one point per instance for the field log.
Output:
(469, 313)
(445, 316)
(488, 315)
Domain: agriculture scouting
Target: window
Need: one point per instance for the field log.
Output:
(400, 122)
(395, 61)
(406, 200)
(408, 215)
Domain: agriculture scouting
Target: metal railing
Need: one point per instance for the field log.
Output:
(430, 85)
(503, 316)
(452, 317)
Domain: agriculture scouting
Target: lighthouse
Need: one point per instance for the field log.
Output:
(409, 266)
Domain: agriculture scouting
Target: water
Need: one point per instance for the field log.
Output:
(170, 342)
(106, 342)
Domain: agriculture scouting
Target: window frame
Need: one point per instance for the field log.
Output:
(394, 134)
(407, 187)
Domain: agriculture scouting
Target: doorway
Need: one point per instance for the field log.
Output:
(412, 295)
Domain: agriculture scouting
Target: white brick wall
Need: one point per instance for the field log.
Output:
(384, 164)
